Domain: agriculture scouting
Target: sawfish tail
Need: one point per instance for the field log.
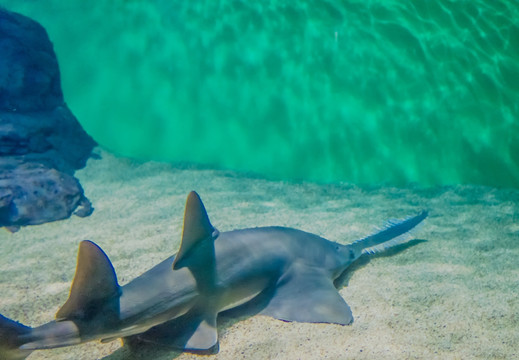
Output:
(93, 299)
(11, 335)
(395, 232)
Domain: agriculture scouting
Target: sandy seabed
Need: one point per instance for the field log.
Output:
(453, 296)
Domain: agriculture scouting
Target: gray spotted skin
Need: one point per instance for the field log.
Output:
(176, 303)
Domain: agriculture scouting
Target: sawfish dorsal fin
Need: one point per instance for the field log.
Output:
(197, 227)
(94, 283)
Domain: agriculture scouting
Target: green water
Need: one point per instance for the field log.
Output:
(360, 91)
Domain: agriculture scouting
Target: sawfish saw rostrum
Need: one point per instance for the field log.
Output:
(177, 302)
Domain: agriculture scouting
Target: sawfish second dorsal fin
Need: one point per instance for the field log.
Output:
(197, 227)
(94, 284)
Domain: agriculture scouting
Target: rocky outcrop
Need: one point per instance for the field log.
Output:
(41, 142)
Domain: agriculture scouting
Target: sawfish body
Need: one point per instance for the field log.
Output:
(176, 303)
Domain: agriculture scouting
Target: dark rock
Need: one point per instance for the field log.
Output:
(29, 73)
(41, 142)
(32, 194)
(54, 138)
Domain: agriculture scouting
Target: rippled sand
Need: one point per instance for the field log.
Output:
(454, 296)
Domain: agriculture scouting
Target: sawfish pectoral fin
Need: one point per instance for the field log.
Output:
(195, 331)
(307, 294)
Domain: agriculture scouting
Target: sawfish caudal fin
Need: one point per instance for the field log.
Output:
(390, 235)
(10, 342)
(94, 284)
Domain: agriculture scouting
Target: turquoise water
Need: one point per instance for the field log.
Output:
(370, 92)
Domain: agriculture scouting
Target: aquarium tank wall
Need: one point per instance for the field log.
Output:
(368, 92)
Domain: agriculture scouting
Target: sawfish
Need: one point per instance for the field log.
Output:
(177, 302)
